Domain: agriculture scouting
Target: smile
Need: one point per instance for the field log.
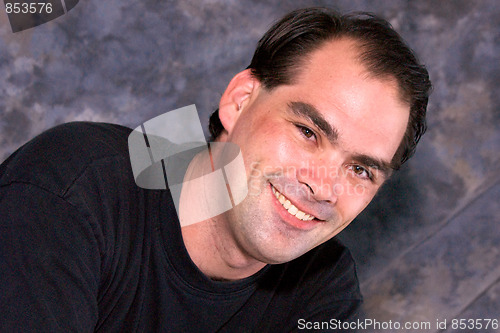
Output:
(290, 207)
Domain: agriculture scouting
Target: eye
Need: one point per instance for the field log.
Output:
(307, 132)
(361, 171)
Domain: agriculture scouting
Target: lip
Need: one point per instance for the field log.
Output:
(289, 218)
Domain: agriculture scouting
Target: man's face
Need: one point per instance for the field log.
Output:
(315, 152)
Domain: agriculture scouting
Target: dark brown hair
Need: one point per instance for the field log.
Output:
(281, 52)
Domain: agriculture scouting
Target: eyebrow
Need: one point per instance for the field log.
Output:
(385, 167)
(306, 110)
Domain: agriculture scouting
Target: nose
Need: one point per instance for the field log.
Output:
(320, 179)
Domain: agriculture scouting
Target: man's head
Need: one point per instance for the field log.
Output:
(320, 117)
(283, 52)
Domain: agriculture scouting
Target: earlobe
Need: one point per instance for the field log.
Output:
(236, 98)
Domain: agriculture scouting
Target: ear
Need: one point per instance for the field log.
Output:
(236, 97)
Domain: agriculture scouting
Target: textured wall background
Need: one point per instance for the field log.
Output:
(427, 248)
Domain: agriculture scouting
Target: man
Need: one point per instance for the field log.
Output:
(329, 106)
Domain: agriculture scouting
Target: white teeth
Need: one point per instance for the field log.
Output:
(291, 208)
(281, 199)
(287, 204)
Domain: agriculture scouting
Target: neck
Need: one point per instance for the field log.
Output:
(209, 241)
(216, 254)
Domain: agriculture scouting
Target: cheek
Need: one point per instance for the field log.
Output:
(261, 155)
(286, 152)
(275, 145)
(353, 198)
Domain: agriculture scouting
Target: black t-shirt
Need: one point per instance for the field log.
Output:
(83, 248)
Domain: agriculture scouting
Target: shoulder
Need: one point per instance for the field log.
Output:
(319, 286)
(330, 266)
(55, 158)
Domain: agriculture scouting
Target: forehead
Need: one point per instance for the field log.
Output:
(345, 59)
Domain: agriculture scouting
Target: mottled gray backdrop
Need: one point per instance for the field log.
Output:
(427, 248)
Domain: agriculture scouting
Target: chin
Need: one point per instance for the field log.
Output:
(275, 260)
(278, 254)
(267, 239)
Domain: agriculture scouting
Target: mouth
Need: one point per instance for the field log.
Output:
(290, 208)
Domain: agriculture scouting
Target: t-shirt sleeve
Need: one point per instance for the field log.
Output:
(49, 263)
